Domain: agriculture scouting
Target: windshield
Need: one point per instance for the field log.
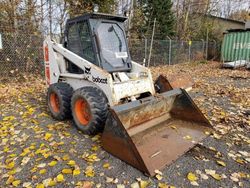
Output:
(113, 44)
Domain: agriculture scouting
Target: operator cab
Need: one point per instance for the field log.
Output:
(100, 39)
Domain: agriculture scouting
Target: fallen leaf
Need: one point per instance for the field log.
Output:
(60, 178)
(52, 163)
(43, 171)
(194, 183)
(158, 176)
(27, 184)
(71, 163)
(47, 136)
(187, 137)
(89, 172)
(106, 165)
(42, 165)
(191, 177)
(67, 171)
(135, 185)
(221, 163)
(76, 172)
(144, 184)
(216, 176)
(109, 180)
(40, 185)
(16, 183)
(120, 186)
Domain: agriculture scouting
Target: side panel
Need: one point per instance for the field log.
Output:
(236, 46)
(52, 71)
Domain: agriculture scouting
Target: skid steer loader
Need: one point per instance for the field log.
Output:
(92, 78)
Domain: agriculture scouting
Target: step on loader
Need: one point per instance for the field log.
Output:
(91, 77)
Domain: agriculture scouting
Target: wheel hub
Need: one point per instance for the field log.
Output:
(82, 110)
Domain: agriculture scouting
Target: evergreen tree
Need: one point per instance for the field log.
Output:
(79, 7)
(161, 10)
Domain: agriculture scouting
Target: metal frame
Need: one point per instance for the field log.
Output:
(116, 86)
(101, 18)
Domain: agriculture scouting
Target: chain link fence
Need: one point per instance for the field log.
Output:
(20, 53)
(23, 53)
(170, 52)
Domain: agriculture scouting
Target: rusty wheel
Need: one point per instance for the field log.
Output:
(83, 112)
(89, 109)
(54, 102)
(59, 96)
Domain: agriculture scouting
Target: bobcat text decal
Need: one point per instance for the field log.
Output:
(87, 70)
(100, 80)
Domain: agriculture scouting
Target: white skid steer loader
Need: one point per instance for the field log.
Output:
(92, 78)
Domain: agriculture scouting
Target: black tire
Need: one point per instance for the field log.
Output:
(59, 98)
(89, 107)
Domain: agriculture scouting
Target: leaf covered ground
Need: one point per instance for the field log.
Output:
(37, 151)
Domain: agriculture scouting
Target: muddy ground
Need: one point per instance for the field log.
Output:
(37, 151)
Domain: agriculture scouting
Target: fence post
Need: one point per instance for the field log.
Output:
(151, 45)
(145, 50)
(189, 50)
(203, 47)
(169, 50)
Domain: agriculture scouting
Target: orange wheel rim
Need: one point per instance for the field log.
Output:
(82, 110)
(54, 102)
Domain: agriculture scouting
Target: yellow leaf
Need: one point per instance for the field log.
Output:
(12, 172)
(191, 177)
(241, 161)
(10, 165)
(216, 176)
(106, 165)
(60, 178)
(52, 183)
(47, 136)
(76, 172)
(174, 127)
(16, 183)
(94, 148)
(221, 163)
(143, 184)
(52, 163)
(10, 180)
(40, 185)
(65, 157)
(187, 137)
(89, 172)
(158, 176)
(43, 171)
(67, 171)
(71, 163)
(20, 100)
(163, 185)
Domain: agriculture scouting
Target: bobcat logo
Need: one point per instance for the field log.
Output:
(87, 70)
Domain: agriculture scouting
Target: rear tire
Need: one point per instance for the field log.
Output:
(59, 97)
(89, 107)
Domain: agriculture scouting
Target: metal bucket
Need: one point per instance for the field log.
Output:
(153, 132)
(183, 81)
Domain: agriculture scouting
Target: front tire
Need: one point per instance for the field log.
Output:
(89, 108)
(58, 97)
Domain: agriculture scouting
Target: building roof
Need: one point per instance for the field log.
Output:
(237, 30)
(221, 18)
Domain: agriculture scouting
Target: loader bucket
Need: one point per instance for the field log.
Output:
(153, 132)
(183, 81)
